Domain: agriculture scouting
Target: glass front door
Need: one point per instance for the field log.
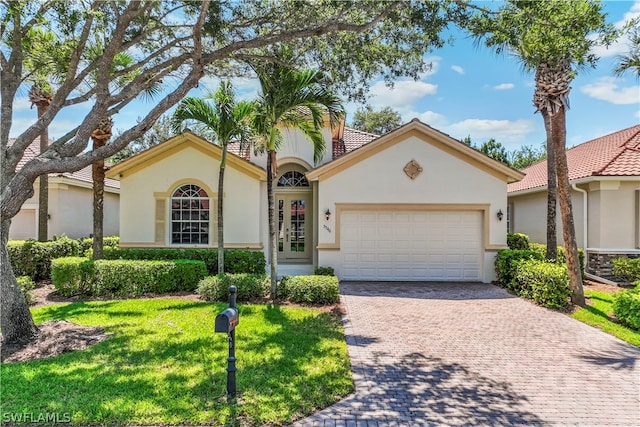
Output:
(294, 237)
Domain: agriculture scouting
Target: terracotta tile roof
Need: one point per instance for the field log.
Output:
(235, 148)
(83, 175)
(352, 139)
(616, 154)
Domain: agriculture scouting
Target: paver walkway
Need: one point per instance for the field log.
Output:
(471, 354)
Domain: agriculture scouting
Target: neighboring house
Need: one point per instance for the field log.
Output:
(605, 178)
(70, 204)
(413, 204)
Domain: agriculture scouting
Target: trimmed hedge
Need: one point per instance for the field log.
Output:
(249, 286)
(626, 306)
(32, 258)
(562, 257)
(73, 276)
(86, 243)
(517, 241)
(310, 289)
(235, 260)
(627, 269)
(546, 283)
(27, 285)
(507, 261)
(324, 271)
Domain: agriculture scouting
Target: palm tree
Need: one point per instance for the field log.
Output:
(293, 99)
(227, 121)
(539, 35)
(631, 61)
(100, 136)
(40, 96)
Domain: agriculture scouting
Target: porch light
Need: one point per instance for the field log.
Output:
(500, 215)
(327, 214)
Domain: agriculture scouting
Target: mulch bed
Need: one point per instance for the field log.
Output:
(53, 338)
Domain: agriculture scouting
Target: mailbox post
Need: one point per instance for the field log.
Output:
(226, 322)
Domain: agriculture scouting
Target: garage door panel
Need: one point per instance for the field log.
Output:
(425, 245)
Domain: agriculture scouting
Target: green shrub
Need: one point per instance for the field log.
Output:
(310, 289)
(546, 283)
(626, 306)
(562, 255)
(27, 285)
(235, 260)
(132, 277)
(507, 261)
(249, 286)
(627, 269)
(324, 271)
(32, 258)
(517, 241)
(86, 243)
(72, 275)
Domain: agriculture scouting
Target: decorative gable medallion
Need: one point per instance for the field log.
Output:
(412, 169)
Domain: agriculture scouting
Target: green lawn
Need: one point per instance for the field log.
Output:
(164, 365)
(597, 315)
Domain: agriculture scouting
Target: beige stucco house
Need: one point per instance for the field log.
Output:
(413, 204)
(70, 205)
(605, 179)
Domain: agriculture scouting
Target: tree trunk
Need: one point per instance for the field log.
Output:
(43, 191)
(552, 192)
(220, 210)
(97, 173)
(273, 240)
(559, 135)
(15, 318)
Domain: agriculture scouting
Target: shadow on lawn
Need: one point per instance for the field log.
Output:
(143, 375)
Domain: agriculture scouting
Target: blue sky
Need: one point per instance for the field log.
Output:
(470, 91)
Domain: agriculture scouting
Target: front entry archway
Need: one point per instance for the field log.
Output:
(293, 204)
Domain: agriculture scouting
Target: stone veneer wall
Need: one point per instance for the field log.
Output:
(600, 263)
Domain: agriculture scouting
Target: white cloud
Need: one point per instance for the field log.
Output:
(504, 131)
(429, 117)
(638, 114)
(607, 89)
(433, 69)
(403, 93)
(621, 45)
(504, 86)
(458, 69)
(21, 104)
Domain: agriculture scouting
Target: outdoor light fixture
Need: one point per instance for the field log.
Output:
(327, 214)
(500, 215)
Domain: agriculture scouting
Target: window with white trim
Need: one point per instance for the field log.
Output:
(190, 214)
(293, 179)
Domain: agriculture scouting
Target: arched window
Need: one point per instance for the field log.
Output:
(293, 179)
(190, 215)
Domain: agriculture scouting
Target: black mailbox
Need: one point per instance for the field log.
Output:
(227, 320)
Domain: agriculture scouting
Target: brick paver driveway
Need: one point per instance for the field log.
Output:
(469, 354)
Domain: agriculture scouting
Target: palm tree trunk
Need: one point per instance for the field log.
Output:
(273, 241)
(97, 171)
(552, 192)
(43, 191)
(559, 135)
(15, 318)
(220, 210)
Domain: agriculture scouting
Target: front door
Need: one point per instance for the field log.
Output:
(294, 231)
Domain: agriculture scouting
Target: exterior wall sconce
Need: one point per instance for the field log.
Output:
(500, 215)
(327, 214)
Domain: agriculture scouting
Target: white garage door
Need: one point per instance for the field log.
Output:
(411, 245)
